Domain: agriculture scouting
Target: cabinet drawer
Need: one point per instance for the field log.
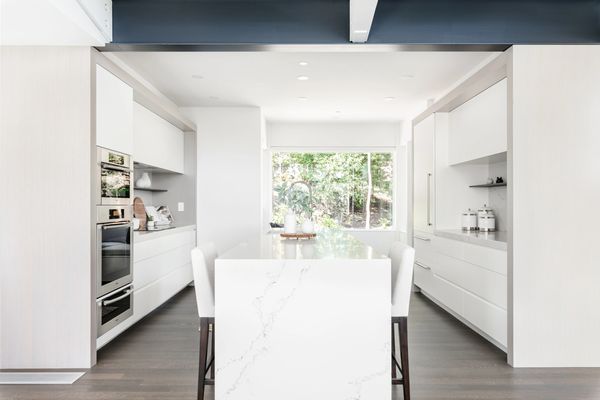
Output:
(447, 293)
(151, 269)
(423, 277)
(148, 298)
(484, 283)
(487, 317)
(152, 248)
(424, 251)
(492, 259)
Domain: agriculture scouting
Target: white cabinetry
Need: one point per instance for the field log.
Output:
(114, 112)
(423, 134)
(156, 141)
(162, 266)
(468, 280)
(478, 127)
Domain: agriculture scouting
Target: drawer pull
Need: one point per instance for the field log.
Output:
(423, 266)
(425, 239)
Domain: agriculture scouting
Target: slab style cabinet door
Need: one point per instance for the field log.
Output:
(423, 156)
(478, 127)
(114, 112)
(156, 141)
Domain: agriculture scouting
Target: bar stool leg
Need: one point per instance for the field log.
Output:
(393, 349)
(403, 322)
(202, 357)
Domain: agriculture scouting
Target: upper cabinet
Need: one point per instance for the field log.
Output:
(157, 142)
(478, 127)
(114, 112)
(423, 158)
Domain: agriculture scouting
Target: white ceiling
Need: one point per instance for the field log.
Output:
(386, 86)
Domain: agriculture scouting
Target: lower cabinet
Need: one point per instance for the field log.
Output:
(162, 267)
(476, 293)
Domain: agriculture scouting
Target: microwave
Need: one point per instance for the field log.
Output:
(114, 175)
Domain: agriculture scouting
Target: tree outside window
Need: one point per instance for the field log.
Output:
(350, 190)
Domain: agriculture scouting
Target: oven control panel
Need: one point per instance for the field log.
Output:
(106, 214)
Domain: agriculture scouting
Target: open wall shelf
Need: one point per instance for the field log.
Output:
(150, 189)
(488, 185)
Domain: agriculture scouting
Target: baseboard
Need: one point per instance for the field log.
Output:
(39, 378)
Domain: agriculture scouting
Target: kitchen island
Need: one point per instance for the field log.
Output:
(301, 320)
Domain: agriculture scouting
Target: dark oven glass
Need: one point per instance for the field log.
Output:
(113, 309)
(116, 252)
(115, 184)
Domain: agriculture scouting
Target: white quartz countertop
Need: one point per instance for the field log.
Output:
(141, 236)
(329, 244)
(495, 240)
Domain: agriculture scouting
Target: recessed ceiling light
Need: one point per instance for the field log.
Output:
(303, 63)
(302, 98)
(389, 98)
(302, 78)
(196, 76)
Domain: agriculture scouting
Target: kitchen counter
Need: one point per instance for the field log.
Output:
(329, 244)
(300, 301)
(140, 236)
(495, 240)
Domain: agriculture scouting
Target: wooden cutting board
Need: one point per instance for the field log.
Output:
(139, 212)
(298, 236)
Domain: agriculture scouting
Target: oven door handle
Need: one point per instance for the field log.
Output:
(109, 302)
(114, 167)
(115, 225)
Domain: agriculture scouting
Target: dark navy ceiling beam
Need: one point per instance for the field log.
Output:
(191, 22)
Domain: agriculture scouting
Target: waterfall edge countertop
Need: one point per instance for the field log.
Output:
(315, 311)
(330, 244)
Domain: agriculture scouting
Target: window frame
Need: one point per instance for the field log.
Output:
(345, 149)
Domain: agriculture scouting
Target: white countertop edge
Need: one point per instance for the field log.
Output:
(141, 236)
(491, 241)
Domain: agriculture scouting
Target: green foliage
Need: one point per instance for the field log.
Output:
(339, 183)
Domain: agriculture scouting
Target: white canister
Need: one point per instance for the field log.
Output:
(484, 211)
(487, 222)
(469, 220)
(289, 223)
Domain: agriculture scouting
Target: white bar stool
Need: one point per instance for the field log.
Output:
(403, 258)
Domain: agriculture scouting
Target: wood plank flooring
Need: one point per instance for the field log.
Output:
(157, 359)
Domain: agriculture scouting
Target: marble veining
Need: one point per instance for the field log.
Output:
(268, 305)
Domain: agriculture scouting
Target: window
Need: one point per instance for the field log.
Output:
(349, 190)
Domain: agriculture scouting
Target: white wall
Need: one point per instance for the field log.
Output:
(229, 173)
(374, 136)
(554, 142)
(45, 239)
(333, 134)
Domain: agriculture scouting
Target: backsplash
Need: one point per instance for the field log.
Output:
(498, 196)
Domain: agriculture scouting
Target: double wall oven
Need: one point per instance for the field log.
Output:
(114, 239)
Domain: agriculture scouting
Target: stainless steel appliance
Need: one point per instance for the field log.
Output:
(114, 178)
(114, 308)
(114, 248)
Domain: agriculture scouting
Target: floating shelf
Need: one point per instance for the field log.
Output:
(150, 189)
(488, 185)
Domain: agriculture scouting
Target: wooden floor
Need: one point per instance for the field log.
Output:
(157, 359)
